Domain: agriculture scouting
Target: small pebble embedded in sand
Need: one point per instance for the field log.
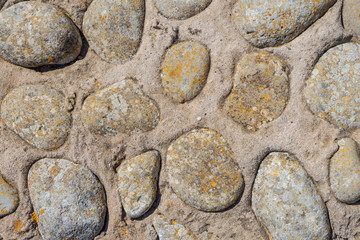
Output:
(9, 198)
(181, 9)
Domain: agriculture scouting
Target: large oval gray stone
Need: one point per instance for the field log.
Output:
(181, 9)
(9, 198)
(68, 200)
(287, 202)
(33, 34)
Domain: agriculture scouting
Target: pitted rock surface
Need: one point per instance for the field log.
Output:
(272, 23)
(286, 201)
(120, 108)
(181, 9)
(184, 70)
(138, 183)
(68, 200)
(351, 15)
(38, 114)
(333, 90)
(260, 91)
(33, 34)
(9, 198)
(202, 171)
(114, 28)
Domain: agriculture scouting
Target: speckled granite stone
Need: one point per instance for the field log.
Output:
(333, 89)
(184, 70)
(9, 198)
(202, 171)
(68, 199)
(181, 9)
(351, 15)
(38, 114)
(286, 201)
(33, 34)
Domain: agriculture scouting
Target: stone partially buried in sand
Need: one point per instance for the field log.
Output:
(33, 34)
(351, 15)
(181, 9)
(286, 201)
(9, 198)
(68, 200)
(202, 171)
(38, 114)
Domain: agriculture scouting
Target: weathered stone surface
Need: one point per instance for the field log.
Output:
(333, 90)
(68, 199)
(114, 28)
(120, 108)
(9, 198)
(286, 201)
(202, 171)
(138, 183)
(2, 2)
(33, 34)
(260, 91)
(271, 23)
(181, 9)
(184, 70)
(351, 15)
(38, 114)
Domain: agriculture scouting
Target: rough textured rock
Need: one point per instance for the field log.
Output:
(271, 23)
(286, 201)
(260, 91)
(138, 183)
(114, 28)
(345, 171)
(9, 198)
(202, 171)
(2, 2)
(351, 15)
(33, 34)
(181, 9)
(120, 108)
(38, 114)
(333, 89)
(184, 70)
(68, 199)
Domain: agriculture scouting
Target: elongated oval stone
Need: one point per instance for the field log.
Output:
(68, 200)
(181, 9)
(114, 28)
(202, 171)
(9, 198)
(33, 34)
(38, 114)
(286, 201)
(120, 108)
(184, 70)
(138, 183)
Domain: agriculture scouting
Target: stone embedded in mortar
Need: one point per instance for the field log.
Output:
(120, 108)
(68, 199)
(114, 28)
(286, 201)
(351, 15)
(181, 9)
(9, 198)
(345, 172)
(38, 114)
(33, 34)
(202, 171)
(272, 23)
(333, 89)
(138, 183)
(260, 91)
(184, 70)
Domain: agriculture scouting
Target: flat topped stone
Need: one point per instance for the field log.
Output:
(38, 114)
(351, 15)
(68, 199)
(9, 198)
(272, 23)
(184, 70)
(181, 9)
(120, 108)
(33, 34)
(286, 201)
(202, 171)
(333, 90)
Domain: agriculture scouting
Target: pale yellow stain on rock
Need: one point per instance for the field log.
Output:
(9, 198)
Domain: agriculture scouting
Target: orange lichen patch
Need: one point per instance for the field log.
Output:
(42, 211)
(50, 59)
(35, 218)
(19, 226)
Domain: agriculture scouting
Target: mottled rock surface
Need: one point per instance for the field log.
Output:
(351, 15)
(286, 201)
(120, 108)
(333, 89)
(260, 91)
(9, 198)
(68, 199)
(271, 23)
(138, 183)
(181, 9)
(33, 34)
(38, 114)
(184, 70)
(114, 28)
(202, 171)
